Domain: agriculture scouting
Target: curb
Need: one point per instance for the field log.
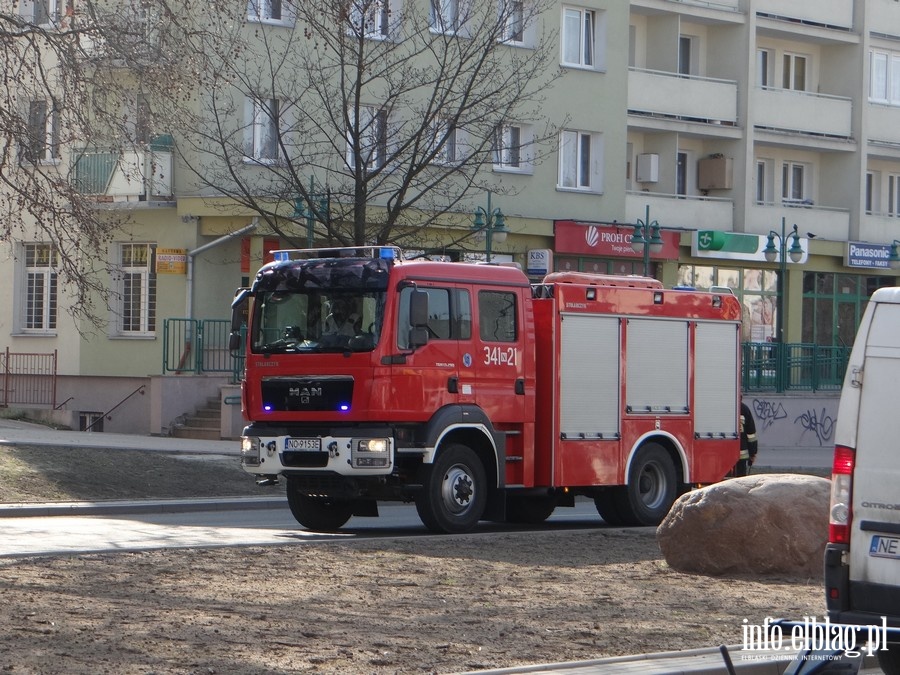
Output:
(25, 510)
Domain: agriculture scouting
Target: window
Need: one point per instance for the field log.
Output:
(136, 289)
(40, 302)
(510, 148)
(513, 21)
(263, 130)
(497, 316)
(446, 15)
(685, 49)
(764, 179)
(449, 315)
(266, 11)
(444, 144)
(576, 160)
(45, 12)
(578, 37)
(371, 18)
(763, 68)
(884, 86)
(893, 195)
(794, 72)
(681, 173)
(368, 137)
(42, 143)
(792, 182)
(873, 192)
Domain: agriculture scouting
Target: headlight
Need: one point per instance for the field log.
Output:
(250, 450)
(371, 453)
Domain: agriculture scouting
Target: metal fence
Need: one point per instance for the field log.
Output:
(198, 346)
(773, 366)
(28, 379)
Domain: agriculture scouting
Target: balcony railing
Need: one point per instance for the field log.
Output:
(772, 366)
(139, 174)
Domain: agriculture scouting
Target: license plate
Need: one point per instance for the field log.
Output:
(885, 547)
(303, 444)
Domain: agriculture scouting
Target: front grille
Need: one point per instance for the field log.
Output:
(307, 394)
(304, 459)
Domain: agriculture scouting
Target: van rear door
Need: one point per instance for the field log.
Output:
(875, 530)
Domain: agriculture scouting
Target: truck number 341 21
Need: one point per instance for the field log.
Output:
(501, 356)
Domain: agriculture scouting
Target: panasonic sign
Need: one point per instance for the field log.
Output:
(862, 254)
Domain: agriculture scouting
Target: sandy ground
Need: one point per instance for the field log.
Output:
(425, 605)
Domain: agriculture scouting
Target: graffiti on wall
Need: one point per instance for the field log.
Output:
(795, 422)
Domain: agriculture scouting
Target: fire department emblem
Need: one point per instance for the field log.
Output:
(467, 360)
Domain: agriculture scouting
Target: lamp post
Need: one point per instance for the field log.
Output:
(781, 253)
(894, 257)
(490, 222)
(311, 215)
(646, 239)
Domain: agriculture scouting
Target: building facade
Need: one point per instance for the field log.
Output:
(732, 125)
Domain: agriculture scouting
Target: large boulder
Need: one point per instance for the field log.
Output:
(757, 524)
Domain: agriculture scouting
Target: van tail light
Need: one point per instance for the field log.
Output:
(841, 492)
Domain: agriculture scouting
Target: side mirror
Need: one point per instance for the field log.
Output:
(239, 307)
(418, 319)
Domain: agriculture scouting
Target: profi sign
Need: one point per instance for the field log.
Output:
(610, 240)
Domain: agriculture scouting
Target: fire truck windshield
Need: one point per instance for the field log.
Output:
(317, 321)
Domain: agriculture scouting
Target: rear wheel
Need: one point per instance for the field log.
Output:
(529, 510)
(454, 491)
(652, 487)
(322, 514)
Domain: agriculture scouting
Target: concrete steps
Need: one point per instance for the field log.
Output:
(204, 424)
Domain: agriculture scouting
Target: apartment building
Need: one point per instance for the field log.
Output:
(732, 125)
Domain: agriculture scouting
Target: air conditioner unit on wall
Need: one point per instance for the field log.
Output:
(715, 173)
(648, 168)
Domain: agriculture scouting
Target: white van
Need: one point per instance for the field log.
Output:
(862, 558)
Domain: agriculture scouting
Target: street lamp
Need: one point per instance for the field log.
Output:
(646, 239)
(894, 257)
(781, 253)
(311, 216)
(492, 224)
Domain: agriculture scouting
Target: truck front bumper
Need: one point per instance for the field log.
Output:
(343, 455)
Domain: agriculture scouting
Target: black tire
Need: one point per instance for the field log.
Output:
(652, 487)
(320, 514)
(454, 491)
(889, 659)
(608, 507)
(529, 510)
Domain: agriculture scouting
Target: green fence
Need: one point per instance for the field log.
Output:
(773, 366)
(199, 346)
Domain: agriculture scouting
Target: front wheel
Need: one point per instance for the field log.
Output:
(321, 514)
(652, 487)
(454, 491)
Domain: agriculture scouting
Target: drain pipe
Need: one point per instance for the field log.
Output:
(189, 300)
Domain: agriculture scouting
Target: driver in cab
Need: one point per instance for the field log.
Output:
(344, 318)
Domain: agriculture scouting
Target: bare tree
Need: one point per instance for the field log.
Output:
(363, 120)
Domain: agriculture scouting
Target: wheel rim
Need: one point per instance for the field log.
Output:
(652, 486)
(458, 489)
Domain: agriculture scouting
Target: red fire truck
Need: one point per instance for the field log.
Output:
(477, 395)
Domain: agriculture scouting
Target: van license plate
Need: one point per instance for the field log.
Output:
(885, 547)
(303, 444)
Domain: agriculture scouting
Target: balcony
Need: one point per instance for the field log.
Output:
(801, 112)
(664, 95)
(825, 222)
(127, 175)
(884, 125)
(824, 13)
(708, 213)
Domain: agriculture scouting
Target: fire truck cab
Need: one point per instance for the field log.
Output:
(464, 389)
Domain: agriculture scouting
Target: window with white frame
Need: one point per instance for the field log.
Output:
(893, 195)
(764, 181)
(793, 182)
(764, 68)
(884, 85)
(136, 290)
(446, 16)
(262, 130)
(370, 18)
(39, 304)
(793, 73)
(444, 143)
(367, 137)
(267, 11)
(686, 58)
(513, 17)
(579, 160)
(579, 37)
(42, 143)
(873, 192)
(510, 147)
(44, 12)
